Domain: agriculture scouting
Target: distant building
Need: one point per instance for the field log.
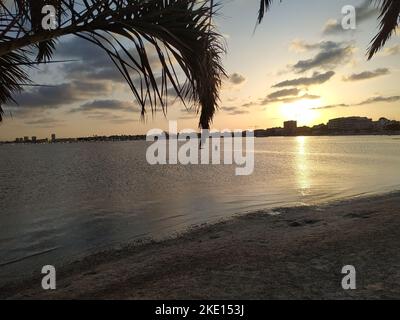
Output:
(290, 127)
(34, 139)
(260, 133)
(383, 123)
(26, 139)
(53, 137)
(320, 129)
(350, 124)
(303, 131)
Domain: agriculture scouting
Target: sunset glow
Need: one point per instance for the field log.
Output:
(302, 111)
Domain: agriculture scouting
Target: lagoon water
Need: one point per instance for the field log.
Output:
(63, 201)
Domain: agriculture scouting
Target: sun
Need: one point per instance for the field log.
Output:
(302, 111)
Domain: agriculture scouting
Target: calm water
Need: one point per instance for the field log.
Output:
(59, 202)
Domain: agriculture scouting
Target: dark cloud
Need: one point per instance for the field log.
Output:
(93, 63)
(52, 97)
(331, 54)
(300, 45)
(93, 74)
(236, 79)
(364, 12)
(332, 106)
(289, 99)
(283, 93)
(380, 99)
(107, 72)
(248, 104)
(94, 66)
(367, 75)
(316, 78)
(299, 98)
(310, 96)
(234, 111)
(44, 122)
(228, 109)
(113, 105)
(109, 117)
(372, 100)
(238, 112)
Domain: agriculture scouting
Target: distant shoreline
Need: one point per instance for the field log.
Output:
(143, 138)
(286, 253)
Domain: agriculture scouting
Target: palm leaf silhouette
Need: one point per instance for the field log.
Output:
(181, 33)
(389, 21)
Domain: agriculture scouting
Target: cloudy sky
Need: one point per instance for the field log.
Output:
(298, 65)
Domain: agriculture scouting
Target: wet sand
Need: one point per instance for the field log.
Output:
(289, 253)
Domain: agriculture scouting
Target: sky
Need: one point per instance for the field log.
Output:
(299, 64)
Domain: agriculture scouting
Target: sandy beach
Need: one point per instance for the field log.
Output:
(288, 253)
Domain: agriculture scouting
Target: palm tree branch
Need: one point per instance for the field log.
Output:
(389, 21)
(179, 28)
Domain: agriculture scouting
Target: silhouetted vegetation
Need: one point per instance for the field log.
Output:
(180, 31)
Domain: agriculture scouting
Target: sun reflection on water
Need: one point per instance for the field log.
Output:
(303, 169)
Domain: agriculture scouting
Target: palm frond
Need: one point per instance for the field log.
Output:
(45, 50)
(264, 7)
(389, 21)
(12, 74)
(181, 32)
